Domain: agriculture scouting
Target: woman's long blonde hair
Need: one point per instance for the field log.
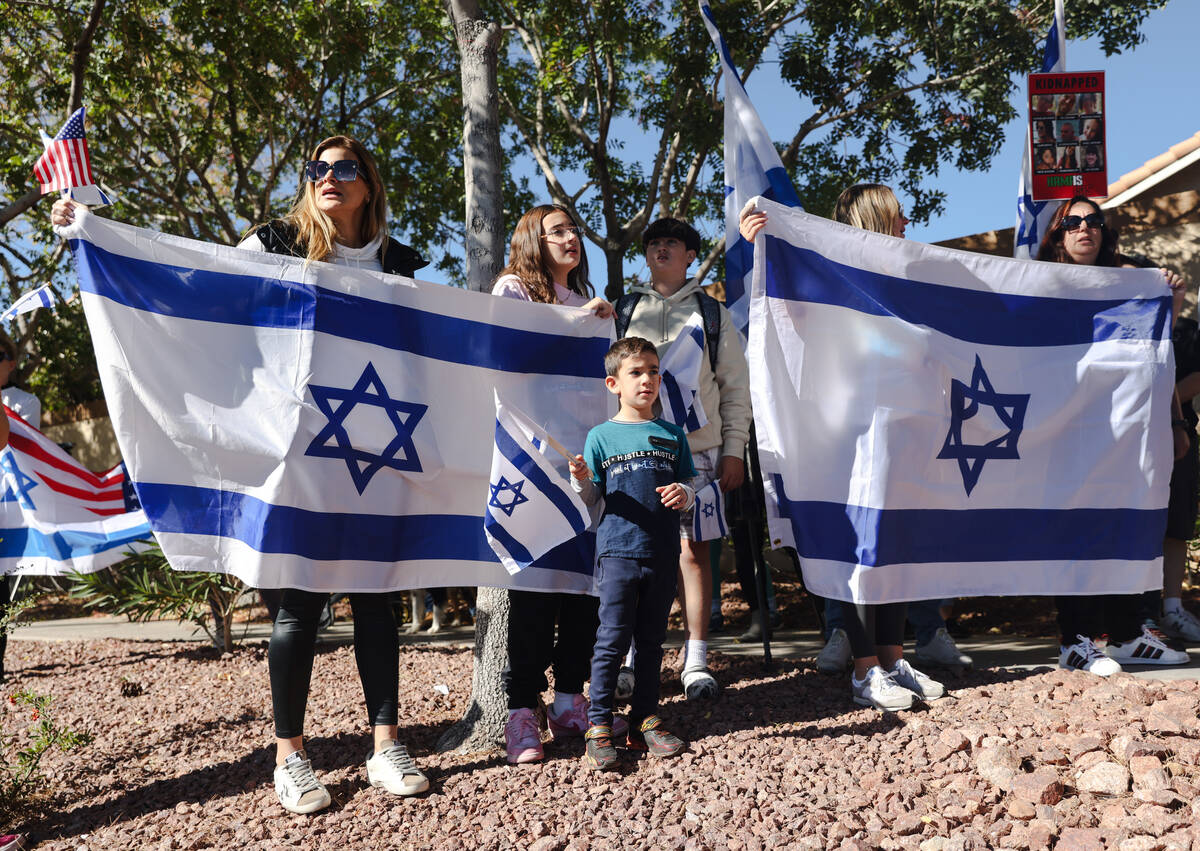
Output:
(315, 230)
(870, 206)
(527, 259)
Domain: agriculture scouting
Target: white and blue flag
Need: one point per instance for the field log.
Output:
(43, 296)
(935, 423)
(708, 516)
(680, 372)
(1033, 217)
(752, 168)
(529, 509)
(56, 516)
(313, 426)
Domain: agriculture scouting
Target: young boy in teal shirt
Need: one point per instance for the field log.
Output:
(640, 466)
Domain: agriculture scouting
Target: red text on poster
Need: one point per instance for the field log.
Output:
(1066, 131)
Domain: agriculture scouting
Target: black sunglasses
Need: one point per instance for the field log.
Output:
(1073, 223)
(344, 171)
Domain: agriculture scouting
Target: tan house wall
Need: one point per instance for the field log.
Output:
(90, 429)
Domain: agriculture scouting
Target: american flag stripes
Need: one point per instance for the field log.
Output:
(66, 165)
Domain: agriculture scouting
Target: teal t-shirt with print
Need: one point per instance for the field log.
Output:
(628, 462)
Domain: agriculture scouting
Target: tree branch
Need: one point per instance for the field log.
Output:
(80, 55)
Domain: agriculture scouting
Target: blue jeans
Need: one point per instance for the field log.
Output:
(635, 599)
(924, 615)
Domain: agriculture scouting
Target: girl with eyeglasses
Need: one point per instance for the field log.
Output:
(547, 265)
(340, 217)
(1079, 235)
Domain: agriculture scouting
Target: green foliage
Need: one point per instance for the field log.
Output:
(20, 774)
(144, 587)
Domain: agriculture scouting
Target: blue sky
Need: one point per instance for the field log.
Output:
(1151, 105)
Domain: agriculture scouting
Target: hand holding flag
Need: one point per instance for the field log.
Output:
(66, 164)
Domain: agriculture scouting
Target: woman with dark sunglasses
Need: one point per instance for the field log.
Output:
(340, 217)
(1078, 234)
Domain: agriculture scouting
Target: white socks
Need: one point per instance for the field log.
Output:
(1172, 604)
(697, 654)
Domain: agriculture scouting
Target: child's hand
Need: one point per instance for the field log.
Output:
(673, 495)
(579, 469)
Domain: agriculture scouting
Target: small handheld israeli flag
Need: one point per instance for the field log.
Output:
(680, 369)
(708, 518)
(43, 296)
(530, 508)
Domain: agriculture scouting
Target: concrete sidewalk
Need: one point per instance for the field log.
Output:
(988, 651)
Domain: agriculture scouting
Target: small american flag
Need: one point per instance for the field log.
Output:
(66, 164)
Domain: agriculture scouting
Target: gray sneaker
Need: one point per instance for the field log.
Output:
(880, 689)
(1181, 624)
(922, 686)
(625, 684)
(835, 655)
(392, 768)
(298, 789)
(942, 652)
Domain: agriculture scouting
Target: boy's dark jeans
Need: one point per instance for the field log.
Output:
(635, 599)
(532, 647)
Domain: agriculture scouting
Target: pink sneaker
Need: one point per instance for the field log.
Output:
(574, 722)
(522, 739)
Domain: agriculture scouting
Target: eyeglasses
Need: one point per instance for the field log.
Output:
(1073, 223)
(344, 171)
(562, 234)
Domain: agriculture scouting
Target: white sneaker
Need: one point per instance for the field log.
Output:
(881, 690)
(298, 789)
(1147, 649)
(392, 768)
(1086, 656)
(1181, 624)
(699, 684)
(835, 655)
(941, 651)
(910, 678)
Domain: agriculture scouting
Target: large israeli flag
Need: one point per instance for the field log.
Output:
(529, 508)
(313, 426)
(680, 371)
(752, 168)
(935, 423)
(56, 516)
(1033, 217)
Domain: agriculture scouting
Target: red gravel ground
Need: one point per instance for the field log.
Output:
(1010, 760)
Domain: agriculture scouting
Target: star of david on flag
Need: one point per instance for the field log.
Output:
(965, 403)
(894, 383)
(708, 519)
(397, 452)
(1033, 217)
(531, 508)
(56, 516)
(680, 371)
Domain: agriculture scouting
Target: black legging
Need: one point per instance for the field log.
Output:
(1092, 615)
(532, 647)
(5, 599)
(871, 626)
(293, 645)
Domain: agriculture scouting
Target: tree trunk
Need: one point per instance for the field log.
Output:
(478, 44)
(615, 261)
(482, 726)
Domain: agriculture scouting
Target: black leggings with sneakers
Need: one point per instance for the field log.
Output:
(871, 626)
(293, 646)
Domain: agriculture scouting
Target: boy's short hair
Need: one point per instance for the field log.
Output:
(626, 347)
(680, 230)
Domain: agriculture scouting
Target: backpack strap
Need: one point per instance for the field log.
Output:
(710, 312)
(396, 258)
(623, 311)
(279, 237)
